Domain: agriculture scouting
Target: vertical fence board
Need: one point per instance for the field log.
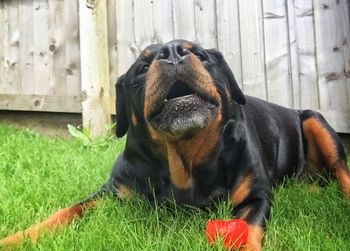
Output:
(293, 50)
(252, 48)
(41, 71)
(205, 23)
(112, 44)
(343, 9)
(144, 31)
(11, 48)
(72, 48)
(3, 34)
(94, 66)
(26, 59)
(280, 89)
(333, 93)
(184, 24)
(126, 47)
(57, 50)
(163, 21)
(2, 45)
(305, 40)
(229, 35)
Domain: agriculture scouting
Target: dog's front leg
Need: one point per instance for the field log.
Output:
(54, 222)
(252, 203)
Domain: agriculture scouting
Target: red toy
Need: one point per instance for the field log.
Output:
(234, 232)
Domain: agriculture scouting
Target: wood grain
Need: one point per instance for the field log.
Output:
(294, 53)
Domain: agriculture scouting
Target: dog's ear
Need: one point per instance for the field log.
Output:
(122, 119)
(236, 92)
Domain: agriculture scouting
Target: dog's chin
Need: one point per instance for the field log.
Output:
(184, 116)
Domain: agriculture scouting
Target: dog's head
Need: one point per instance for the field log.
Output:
(175, 89)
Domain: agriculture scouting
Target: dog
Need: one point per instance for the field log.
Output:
(194, 137)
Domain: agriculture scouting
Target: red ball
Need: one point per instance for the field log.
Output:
(234, 232)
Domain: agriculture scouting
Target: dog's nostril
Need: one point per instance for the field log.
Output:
(164, 53)
(172, 53)
(182, 51)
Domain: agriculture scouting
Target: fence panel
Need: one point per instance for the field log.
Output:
(294, 52)
(40, 59)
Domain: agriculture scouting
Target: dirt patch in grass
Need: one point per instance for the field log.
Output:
(45, 123)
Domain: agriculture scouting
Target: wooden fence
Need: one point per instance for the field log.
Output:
(292, 52)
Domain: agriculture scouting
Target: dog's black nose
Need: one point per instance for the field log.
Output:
(173, 53)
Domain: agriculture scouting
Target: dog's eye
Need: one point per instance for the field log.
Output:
(144, 69)
(200, 55)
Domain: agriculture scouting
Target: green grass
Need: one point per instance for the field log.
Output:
(39, 175)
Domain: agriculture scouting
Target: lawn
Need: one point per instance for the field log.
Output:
(39, 175)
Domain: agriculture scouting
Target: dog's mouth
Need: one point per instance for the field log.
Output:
(183, 110)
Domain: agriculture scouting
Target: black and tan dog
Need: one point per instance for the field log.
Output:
(193, 136)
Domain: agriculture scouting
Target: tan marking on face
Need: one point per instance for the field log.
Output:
(133, 119)
(203, 78)
(147, 53)
(255, 237)
(152, 87)
(187, 45)
(196, 74)
(242, 190)
(123, 192)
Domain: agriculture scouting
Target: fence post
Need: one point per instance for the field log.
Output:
(95, 83)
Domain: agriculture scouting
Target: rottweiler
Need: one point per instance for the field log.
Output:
(194, 137)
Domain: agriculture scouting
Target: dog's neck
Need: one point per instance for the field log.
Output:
(185, 155)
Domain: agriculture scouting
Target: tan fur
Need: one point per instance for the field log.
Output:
(203, 78)
(245, 214)
(313, 157)
(321, 149)
(193, 151)
(343, 176)
(314, 131)
(197, 149)
(152, 87)
(124, 192)
(255, 236)
(133, 119)
(188, 45)
(176, 151)
(241, 192)
(198, 75)
(179, 176)
(147, 53)
(61, 218)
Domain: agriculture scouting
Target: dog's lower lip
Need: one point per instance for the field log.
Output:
(178, 98)
(210, 103)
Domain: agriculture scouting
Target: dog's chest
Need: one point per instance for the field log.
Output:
(205, 185)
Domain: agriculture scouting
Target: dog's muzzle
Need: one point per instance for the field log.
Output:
(180, 96)
(184, 114)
